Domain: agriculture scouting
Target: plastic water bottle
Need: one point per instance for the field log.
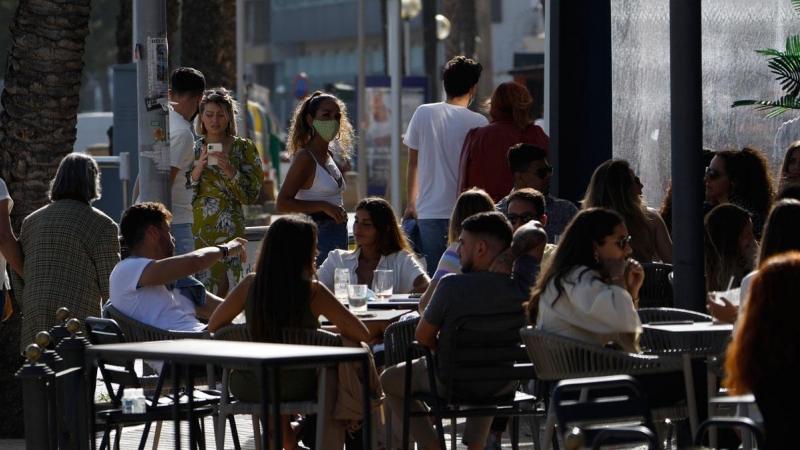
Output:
(128, 401)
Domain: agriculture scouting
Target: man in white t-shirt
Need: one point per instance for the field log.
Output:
(9, 247)
(155, 287)
(434, 139)
(186, 92)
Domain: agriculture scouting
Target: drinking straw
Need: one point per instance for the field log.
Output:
(730, 283)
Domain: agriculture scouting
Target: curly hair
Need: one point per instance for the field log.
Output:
(748, 171)
(300, 129)
(768, 338)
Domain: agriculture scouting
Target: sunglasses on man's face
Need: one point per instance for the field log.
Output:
(525, 218)
(714, 173)
(543, 172)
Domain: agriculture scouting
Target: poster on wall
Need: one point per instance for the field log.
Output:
(378, 128)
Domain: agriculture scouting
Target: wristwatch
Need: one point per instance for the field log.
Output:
(224, 249)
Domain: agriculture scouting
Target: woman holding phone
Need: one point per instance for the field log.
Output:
(226, 174)
(314, 184)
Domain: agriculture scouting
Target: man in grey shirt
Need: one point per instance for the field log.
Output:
(483, 244)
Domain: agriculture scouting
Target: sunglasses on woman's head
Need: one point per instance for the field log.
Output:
(713, 173)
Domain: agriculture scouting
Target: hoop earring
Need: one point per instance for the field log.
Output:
(311, 131)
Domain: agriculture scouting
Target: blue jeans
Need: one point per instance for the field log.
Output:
(330, 236)
(184, 239)
(433, 237)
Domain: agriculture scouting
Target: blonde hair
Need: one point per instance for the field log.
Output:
(230, 107)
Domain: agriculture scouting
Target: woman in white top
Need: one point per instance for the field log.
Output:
(590, 289)
(314, 184)
(380, 244)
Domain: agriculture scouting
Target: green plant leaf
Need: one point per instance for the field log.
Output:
(773, 108)
(796, 6)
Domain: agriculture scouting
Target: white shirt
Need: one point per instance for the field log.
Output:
(404, 266)
(437, 132)
(181, 156)
(589, 310)
(4, 196)
(153, 305)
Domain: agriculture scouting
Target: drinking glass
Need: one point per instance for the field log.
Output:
(357, 297)
(383, 284)
(341, 279)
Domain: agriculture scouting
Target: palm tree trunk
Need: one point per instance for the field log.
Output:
(37, 129)
(208, 40)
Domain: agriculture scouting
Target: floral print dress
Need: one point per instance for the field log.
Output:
(217, 205)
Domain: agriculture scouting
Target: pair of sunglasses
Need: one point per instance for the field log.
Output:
(622, 243)
(714, 173)
(525, 218)
(542, 172)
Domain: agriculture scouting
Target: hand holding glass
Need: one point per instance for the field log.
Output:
(383, 284)
(357, 297)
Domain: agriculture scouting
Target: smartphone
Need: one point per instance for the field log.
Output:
(213, 148)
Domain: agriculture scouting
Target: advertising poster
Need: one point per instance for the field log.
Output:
(378, 128)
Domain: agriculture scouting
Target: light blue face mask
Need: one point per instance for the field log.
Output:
(327, 129)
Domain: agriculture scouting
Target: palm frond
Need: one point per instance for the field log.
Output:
(774, 108)
(796, 6)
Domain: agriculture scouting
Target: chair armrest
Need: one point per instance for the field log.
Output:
(626, 433)
(730, 422)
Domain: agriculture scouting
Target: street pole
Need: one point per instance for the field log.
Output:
(241, 93)
(362, 103)
(393, 16)
(152, 82)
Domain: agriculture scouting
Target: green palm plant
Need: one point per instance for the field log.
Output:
(786, 66)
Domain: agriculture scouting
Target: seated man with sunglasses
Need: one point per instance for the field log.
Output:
(528, 204)
(531, 170)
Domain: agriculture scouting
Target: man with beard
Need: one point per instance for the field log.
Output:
(476, 291)
(530, 170)
(155, 287)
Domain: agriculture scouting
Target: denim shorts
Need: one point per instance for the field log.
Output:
(330, 236)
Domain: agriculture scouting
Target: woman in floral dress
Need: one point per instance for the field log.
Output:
(222, 183)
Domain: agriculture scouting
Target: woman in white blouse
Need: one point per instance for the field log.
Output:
(380, 244)
(590, 289)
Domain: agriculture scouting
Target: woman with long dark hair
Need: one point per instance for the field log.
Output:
(730, 247)
(614, 186)
(380, 244)
(790, 167)
(590, 289)
(780, 236)
(284, 293)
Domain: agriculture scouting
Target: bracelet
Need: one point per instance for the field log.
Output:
(224, 249)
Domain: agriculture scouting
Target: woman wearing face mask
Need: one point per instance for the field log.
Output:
(314, 184)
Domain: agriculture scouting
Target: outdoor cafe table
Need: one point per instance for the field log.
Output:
(397, 301)
(690, 340)
(265, 359)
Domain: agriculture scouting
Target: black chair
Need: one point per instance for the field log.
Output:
(650, 315)
(731, 422)
(486, 351)
(122, 373)
(656, 292)
(612, 409)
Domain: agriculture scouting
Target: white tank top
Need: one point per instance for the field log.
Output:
(325, 186)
